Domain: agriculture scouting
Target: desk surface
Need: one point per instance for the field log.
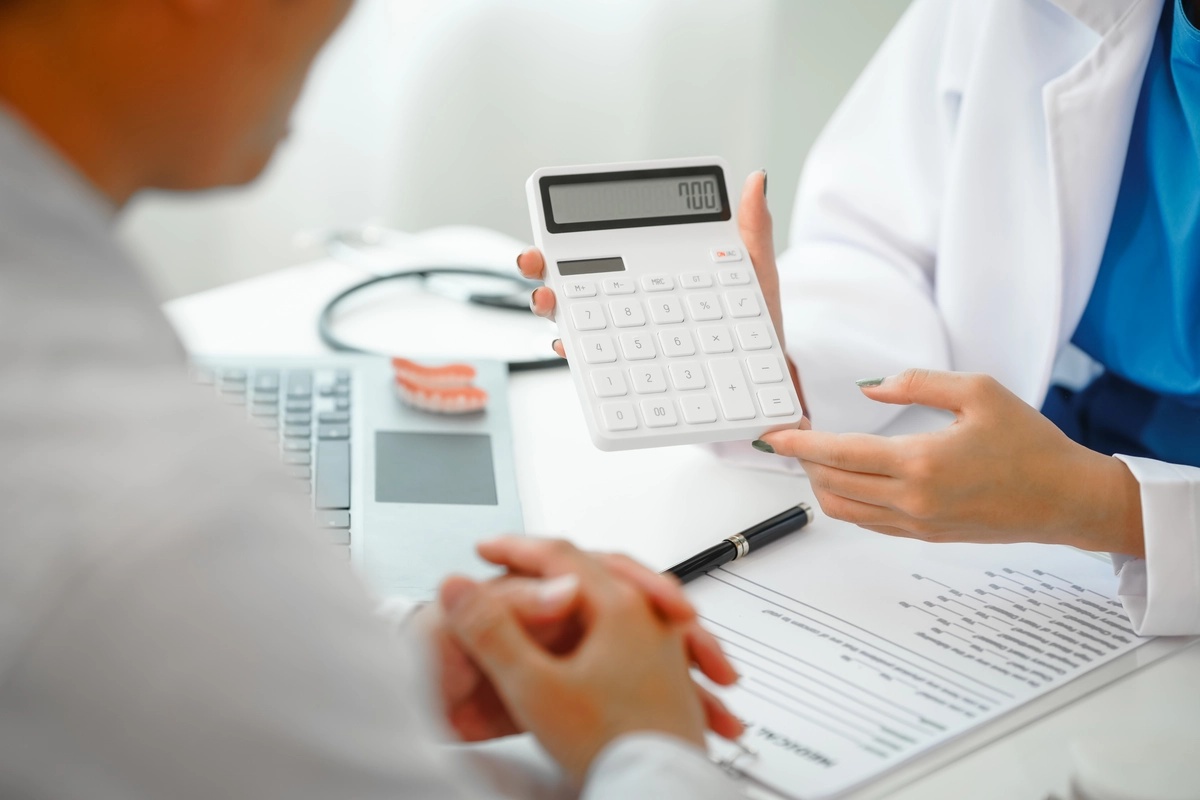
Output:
(569, 488)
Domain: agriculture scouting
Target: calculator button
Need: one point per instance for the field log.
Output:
(704, 306)
(659, 414)
(776, 402)
(577, 289)
(754, 336)
(734, 277)
(627, 313)
(764, 369)
(743, 304)
(732, 390)
(695, 280)
(619, 286)
(658, 283)
(723, 256)
(715, 339)
(588, 317)
(637, 346)
(666, 310)
(687, 375)
(698, 409)
(609, 383)
(677, 343)
(598, 349)
(619, 416)
(648, 379)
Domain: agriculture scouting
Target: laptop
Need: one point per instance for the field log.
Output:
(405, 494)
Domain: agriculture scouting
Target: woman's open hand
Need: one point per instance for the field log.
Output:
(1001, 473)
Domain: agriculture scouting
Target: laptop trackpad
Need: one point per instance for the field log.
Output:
(436, 468)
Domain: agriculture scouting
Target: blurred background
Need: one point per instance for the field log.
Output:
(424, 113)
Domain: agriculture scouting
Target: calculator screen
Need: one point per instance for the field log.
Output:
(601, 201)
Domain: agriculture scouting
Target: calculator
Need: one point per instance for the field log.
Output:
(658, 307)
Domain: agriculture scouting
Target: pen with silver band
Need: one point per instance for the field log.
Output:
(740, 544)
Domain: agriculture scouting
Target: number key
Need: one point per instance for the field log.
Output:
(648, 379)
(666, 310)
(687, 375)
(677, 342)
(598, 349)
(627, 313)
(588, 317)
(619, 416)
(659, 413)
(637, 346)
(609, 383)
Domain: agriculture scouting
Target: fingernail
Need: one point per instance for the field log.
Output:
(764, 172)
(557, 591)
(533, 300)
(523, 252)
(759, 444)
(554, 345)
(868, 382)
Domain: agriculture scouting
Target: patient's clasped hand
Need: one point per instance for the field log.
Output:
(576, 648)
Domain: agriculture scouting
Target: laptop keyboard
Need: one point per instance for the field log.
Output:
(309, 410)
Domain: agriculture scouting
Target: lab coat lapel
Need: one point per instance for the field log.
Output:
(1089, 116)
(1099, 15)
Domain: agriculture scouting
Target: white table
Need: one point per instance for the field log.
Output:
(609, 501)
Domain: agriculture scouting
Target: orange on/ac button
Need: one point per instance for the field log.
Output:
(722, 256)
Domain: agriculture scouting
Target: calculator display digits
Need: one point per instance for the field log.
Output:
(666, 329)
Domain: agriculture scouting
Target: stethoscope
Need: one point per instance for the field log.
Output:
(345, 246)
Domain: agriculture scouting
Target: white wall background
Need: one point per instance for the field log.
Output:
(429, 112)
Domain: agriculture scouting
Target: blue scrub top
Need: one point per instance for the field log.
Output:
(1142, 322)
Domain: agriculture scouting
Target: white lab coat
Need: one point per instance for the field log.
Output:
(953, 216)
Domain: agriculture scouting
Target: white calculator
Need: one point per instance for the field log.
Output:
(668, 336)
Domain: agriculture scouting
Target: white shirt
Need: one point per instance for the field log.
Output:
(170, 624)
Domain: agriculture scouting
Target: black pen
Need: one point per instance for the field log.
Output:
(742, 543)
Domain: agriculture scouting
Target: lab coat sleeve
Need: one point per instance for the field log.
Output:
(1161, 593)
(858, 278)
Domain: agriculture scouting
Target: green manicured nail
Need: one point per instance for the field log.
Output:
(759, 444)
(865, 382)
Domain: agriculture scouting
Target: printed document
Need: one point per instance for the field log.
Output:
(859, 651)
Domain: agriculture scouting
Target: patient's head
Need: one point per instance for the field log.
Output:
(172, 94)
